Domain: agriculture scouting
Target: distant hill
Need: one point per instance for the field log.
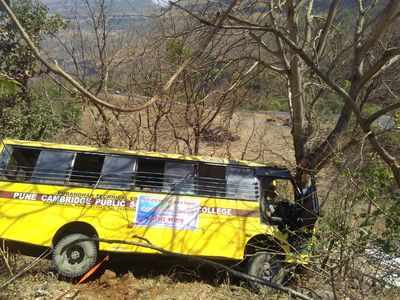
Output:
(324, 4)
(349, 4)
(65, 7)
(248, 5)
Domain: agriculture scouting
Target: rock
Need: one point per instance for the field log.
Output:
(108, 278)
(270, 119)
(128, 277)
(388, 266)
(325, 295)
(39, 293)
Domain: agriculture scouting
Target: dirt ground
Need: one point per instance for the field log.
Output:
(143, 278)
(158, 278)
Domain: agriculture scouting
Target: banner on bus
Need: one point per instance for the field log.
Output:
(167, 212)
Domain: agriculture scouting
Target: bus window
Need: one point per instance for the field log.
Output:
(179, 178)
(87, 168)
(4, 159)
(20, 163)
(241, 183)
(150, 174)
(285, 190)
(278, 190)
(117, 172)
(53, 166)
(211, 180)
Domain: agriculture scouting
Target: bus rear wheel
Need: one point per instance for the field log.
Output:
(267, 267)
(73, 258)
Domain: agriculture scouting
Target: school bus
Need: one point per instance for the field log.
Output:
(53, 194)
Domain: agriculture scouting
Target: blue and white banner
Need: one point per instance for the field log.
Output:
(167, 212)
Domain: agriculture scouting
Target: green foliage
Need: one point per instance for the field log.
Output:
(23, 112)
(18, 61)
(176, 51)
(36, 121)
(70, 112)
(329, 106)
(397, 119)
(361, 218)
(377, 187)
(377, 179)
(271, 103)
(8, 87)
(277, 104)
(391, 235)
(370, 108)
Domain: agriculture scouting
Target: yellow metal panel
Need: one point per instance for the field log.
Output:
(29, 213)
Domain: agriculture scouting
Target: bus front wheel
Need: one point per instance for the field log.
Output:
(73, 258)
(267, 267)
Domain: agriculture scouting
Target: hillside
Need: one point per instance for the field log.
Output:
(65, 7)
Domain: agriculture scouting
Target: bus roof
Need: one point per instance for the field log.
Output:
(206, 159)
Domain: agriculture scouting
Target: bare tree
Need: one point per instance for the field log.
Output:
(205, 94)
(318, 57)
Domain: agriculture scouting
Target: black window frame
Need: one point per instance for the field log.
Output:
(147, 180)
(27, 169)
(81, 176)
(208, 185)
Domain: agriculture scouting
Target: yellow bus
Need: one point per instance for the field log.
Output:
(52, 195)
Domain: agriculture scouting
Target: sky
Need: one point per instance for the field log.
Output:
(161, 2)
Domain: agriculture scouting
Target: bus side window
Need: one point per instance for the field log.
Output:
(87, 168)
(20, 163)
(53, 166)
(117, 172)
(211, 180)
(241, 183)
(150, 174)
(4, 160)
(285, 190)
(179, 178)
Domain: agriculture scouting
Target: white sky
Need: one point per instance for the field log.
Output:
(161, 2)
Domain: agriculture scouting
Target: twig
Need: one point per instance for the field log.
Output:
(27, 268)
(5, 255)
(332, 280)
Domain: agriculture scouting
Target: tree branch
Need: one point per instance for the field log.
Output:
(388, 58)
(382, 112)
(386, 18)
(325, 32)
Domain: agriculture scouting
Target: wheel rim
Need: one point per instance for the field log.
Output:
(265, 271)
(75, 254)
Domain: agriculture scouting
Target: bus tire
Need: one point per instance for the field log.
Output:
(265, 266)
(76, 259)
